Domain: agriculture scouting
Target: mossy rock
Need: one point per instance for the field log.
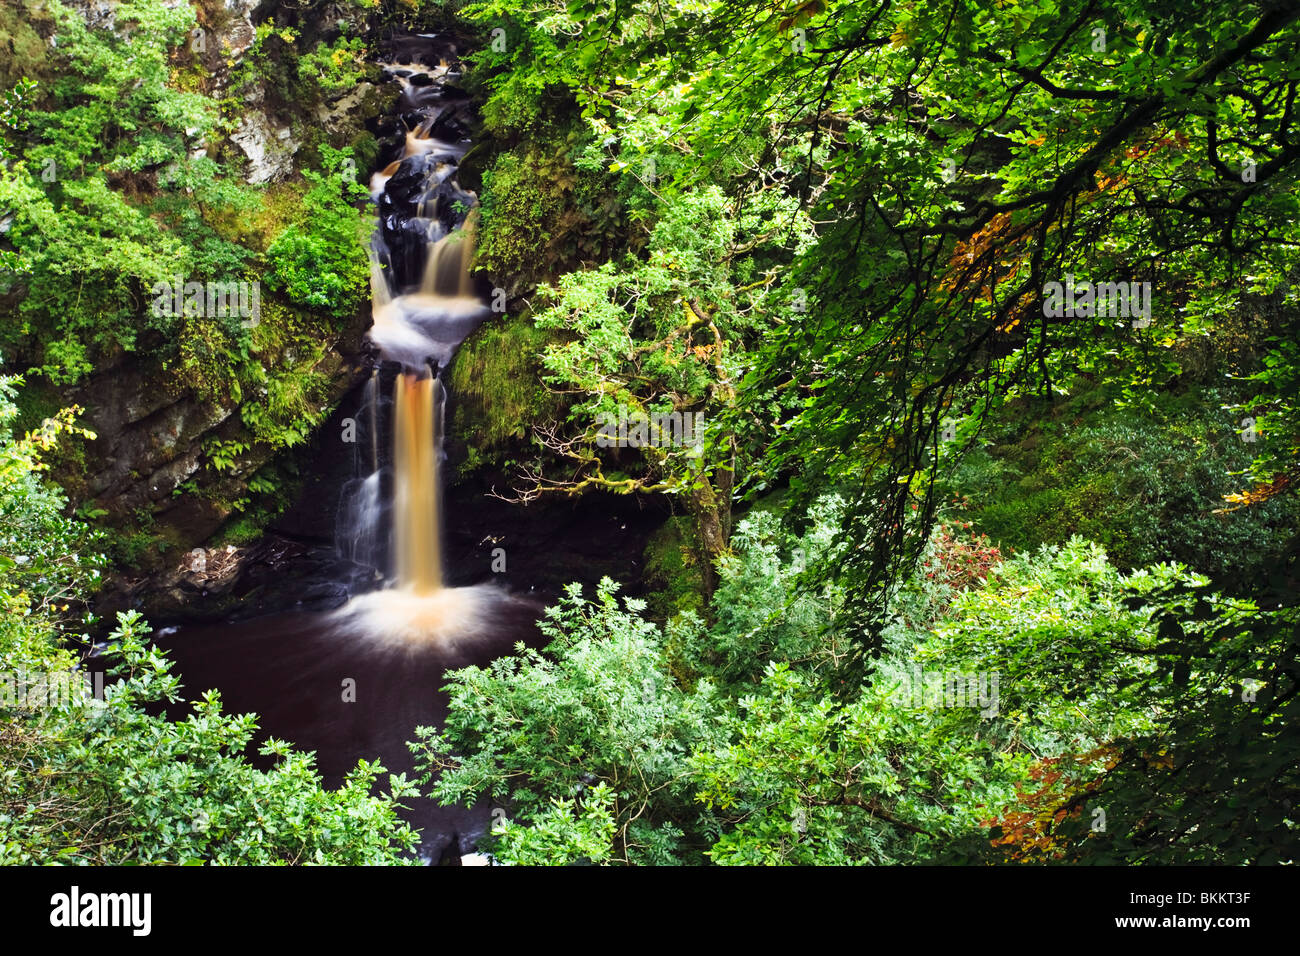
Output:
(542, 216)
(498, 393)
(672, 571)
(24, 50)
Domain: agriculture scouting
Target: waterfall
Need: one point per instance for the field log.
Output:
(355, 681)
(423, 306)
(416, 541)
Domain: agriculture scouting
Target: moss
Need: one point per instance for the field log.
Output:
(280, 371)
(143, 544)
(21, 25)
(205, 356)
(672, 570)
(295, 395)
(364, 146)
(271, 490)
(37, 400)
(542, 216)
(257, 226)
(497, 389)
(245, 529)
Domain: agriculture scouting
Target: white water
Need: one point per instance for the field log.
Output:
(420, 329)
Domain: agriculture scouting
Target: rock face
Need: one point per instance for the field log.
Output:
(229, 582)
(99, 14)
(276, 122)
(343, 110)
(267, 143)
(147, 438)
(270, 150)
(238, 33)
(151, 437)
(147, 467)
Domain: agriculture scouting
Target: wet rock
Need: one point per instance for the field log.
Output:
(345, 108)
(229, 582)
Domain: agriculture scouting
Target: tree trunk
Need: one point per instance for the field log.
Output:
(710, 505)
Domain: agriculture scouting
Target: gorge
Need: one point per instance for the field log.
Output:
(558, 429)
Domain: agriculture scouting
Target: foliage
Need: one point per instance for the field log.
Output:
(1014, 700)
(321, 262)
(830, 229)
(335, 67)
(1272, 416)
(542, 212)
(88, 781)
(122, 179)
(497, 389)
(108, 121)
(1148, 485)
(563, 834)
(956, 159)
(603, 713)
(767, 607)
(106, 782)
(49, 562)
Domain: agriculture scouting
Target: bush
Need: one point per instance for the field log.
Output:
(321, 262)
(597, 710)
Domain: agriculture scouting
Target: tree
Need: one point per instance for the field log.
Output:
(955, 160)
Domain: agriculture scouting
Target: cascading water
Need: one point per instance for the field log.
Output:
(416, 543)
(423, 308)
(355, 682)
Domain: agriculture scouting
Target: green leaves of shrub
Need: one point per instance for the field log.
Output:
(320, 261)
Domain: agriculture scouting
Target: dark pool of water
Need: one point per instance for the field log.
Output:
(292, 670)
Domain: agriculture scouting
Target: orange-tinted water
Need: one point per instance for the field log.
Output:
(417, 555)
